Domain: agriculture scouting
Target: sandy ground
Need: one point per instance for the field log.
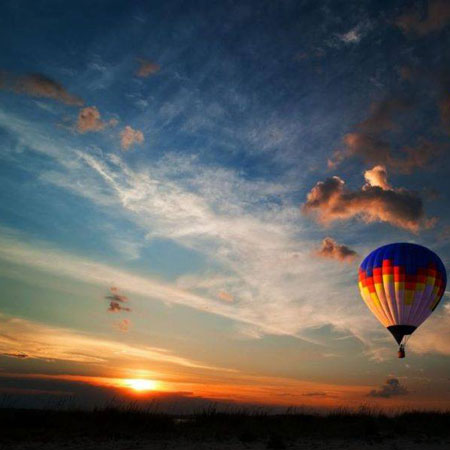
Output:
(394, 444)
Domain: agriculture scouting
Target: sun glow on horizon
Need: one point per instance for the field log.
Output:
(140, 384)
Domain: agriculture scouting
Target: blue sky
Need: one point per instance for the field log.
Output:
(165, 149)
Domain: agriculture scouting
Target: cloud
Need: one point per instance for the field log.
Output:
(329, 200)
(15, 355)
(116, 296)
(225, 296)
(116, 307)
(319, 394)
(392, 388)
(437, 16)
(368, 143)
(147, 68)
(351, 37)
(377, 176)
(38, 85)
(123, 325)
(434, 337)
(41, 341)
(129, 136)
(331, 249)
(248, 227)
(89, 120)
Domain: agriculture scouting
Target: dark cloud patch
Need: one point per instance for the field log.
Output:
(116, 307)
(433, 18)
(18, 355)
(369, 143)
(318, 394)
(376, 201)
(38, 85)
(332, 250)
(392, 388)
(116, 301)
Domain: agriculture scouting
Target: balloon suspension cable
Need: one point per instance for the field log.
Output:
(401, 349)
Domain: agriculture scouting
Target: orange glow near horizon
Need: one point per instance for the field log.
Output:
(140, 384)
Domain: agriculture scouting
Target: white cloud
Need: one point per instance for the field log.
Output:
(39, 341)
(250, 228)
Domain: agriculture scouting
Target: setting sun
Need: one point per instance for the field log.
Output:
(141, 385)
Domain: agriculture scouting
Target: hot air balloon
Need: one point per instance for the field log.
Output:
(402, 284)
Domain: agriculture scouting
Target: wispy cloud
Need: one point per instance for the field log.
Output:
(250, 228)
(40, 341)
(434, 336)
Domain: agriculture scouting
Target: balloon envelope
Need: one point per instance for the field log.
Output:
(402, 284)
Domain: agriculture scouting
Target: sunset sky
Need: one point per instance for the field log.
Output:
(188, 189)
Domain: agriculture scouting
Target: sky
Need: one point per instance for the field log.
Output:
(188, 189)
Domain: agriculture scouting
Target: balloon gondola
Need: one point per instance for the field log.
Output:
(402, 284)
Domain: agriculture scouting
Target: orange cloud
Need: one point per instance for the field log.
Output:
(123, 325)
(329, 200)
(38, 85)
(332, 250)
(368, 144)
(225, 296)
(436, 18)
(147, 68)
(89, 120)
(377, 177)
(129, 136)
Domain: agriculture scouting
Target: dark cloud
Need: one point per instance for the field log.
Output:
(332, 250)
(318, 394)
(89, 120)
(18, 355)
(116, 300)
(391, 388)
(38, 85)
(116, 307)
(147, 68)
(376, 201)
(434, 18)
(368, 143)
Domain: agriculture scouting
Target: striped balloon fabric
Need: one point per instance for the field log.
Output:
(402, 284)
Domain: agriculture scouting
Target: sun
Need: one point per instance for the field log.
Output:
(140, 384)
